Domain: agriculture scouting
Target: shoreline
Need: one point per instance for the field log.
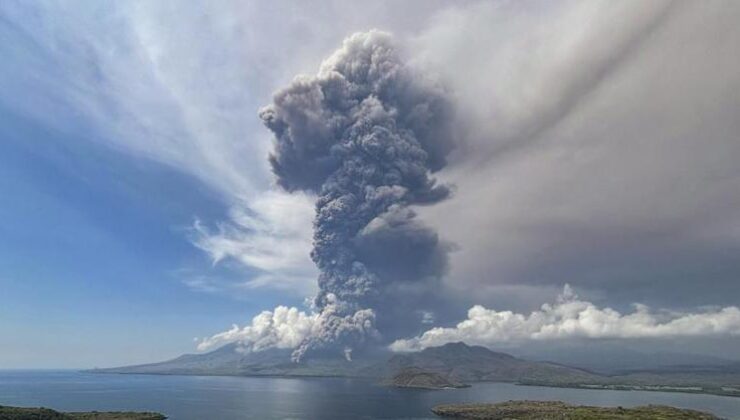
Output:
(675, 389)
(179, 396)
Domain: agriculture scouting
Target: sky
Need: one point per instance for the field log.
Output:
(594, 190)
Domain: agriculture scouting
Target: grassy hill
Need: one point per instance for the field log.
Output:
(418, 378)
(22, 413)
(556, 410)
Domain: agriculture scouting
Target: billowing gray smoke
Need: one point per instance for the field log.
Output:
(364, 134)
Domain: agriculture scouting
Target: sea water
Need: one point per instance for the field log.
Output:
(231, 398)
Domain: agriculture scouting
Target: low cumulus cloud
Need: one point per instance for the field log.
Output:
(282, 328)
(571, 317)
(289, 328)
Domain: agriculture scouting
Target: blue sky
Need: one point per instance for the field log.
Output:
(139, 211)
(138, 208)
(96, 256)
(597, 148)
(94, 244)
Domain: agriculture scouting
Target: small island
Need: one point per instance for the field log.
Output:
(557, 410)
(23, 413)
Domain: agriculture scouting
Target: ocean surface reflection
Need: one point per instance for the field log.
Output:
(227, 398)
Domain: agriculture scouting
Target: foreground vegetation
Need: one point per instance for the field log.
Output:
(698, 386)
(418, 378)
(18, 413)
(556, 410)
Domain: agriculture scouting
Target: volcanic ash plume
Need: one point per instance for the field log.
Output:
(364, 134)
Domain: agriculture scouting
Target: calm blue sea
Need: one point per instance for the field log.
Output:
(227, 398)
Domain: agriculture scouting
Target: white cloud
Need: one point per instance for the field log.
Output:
(177, 85)
(272, 235)
(427, 317)
(289, 328)
(283, 328)
(571, 317)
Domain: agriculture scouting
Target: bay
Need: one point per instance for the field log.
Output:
(233, 398)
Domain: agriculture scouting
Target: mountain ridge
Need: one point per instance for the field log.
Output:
(451, 363)
(457, 362)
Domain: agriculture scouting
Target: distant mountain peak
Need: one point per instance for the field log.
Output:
(455, 362)
(455, 345)
(460, 349)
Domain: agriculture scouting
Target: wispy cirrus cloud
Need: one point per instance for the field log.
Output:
(182, 86)
(141, 79)
(272, 235)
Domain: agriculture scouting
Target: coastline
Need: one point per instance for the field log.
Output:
(687, 389)
(331, 398)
